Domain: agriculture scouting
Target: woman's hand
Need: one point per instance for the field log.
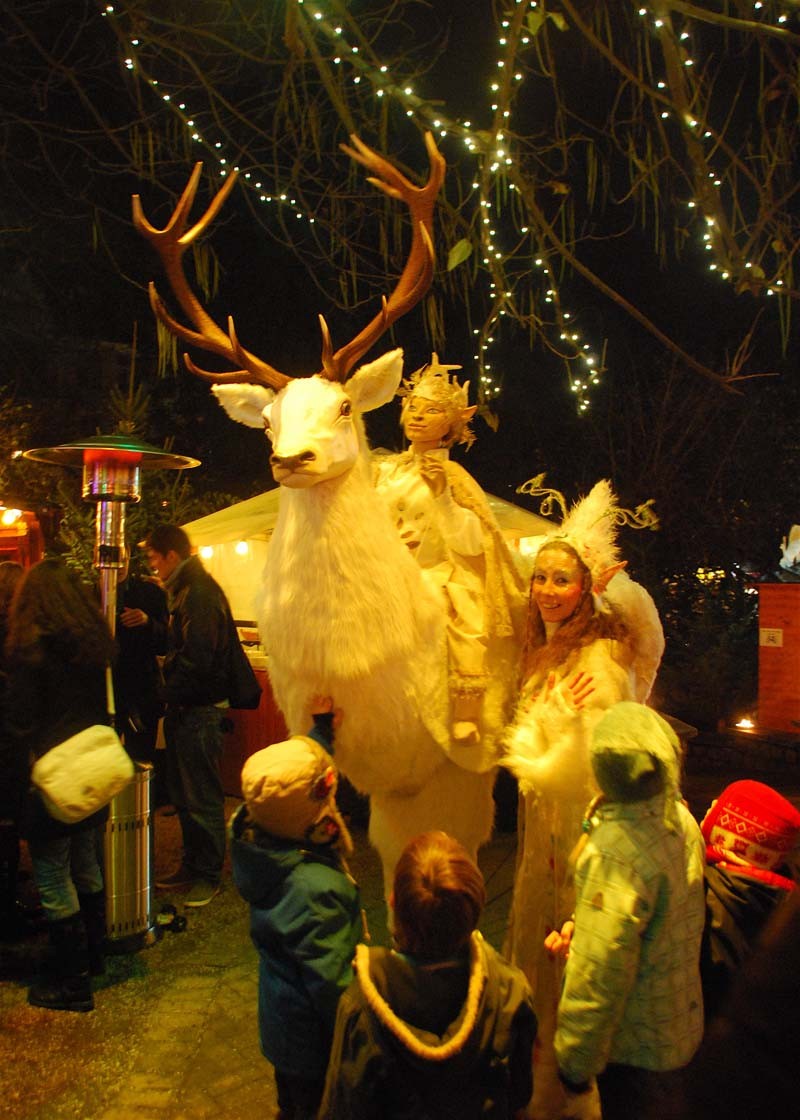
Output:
(568, 694)
(581, 687)
(133, 617)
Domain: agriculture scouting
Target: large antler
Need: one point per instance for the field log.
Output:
(171, 243)
(416, 277)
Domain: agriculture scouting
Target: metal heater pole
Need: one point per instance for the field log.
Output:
(112, 466)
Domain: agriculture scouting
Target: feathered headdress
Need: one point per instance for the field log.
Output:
(590, 527)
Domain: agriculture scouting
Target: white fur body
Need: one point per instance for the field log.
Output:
(346, 612)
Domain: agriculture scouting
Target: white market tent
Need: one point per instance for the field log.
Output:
(233, 542)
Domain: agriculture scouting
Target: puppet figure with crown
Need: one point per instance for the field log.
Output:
(445, 521)
(594, 638)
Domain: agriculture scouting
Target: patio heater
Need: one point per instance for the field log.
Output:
(112, 467)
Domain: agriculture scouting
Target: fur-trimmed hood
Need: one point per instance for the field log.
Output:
(390, 987)
(422, 1040)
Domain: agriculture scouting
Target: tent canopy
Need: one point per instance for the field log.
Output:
(254, 519)
(233, 543)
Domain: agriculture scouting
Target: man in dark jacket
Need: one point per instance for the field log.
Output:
(196, 694)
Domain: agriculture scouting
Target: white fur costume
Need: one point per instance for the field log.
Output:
(346, 612)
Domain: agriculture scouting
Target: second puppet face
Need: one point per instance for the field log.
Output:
(425, 421)
(557, 583)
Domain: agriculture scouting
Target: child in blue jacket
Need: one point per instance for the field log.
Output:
(288, 843)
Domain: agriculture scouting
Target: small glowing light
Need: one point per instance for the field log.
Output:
(745, 723)
(207, 551)
(9, 516)
(242, 548)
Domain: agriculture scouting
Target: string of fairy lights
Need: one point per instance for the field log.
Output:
(726, 260)
(494, 177)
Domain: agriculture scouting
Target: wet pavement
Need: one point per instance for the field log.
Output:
(174, 1033)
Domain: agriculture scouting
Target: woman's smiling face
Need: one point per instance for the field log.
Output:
(557, 583)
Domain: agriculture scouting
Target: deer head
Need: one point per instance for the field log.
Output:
(314, 424)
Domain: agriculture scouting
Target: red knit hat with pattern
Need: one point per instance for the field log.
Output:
(750, 827)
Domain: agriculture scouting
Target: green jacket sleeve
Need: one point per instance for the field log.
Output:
(611, 916)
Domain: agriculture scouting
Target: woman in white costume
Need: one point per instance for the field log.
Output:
(591, 643)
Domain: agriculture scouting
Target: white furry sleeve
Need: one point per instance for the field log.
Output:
(548, 743)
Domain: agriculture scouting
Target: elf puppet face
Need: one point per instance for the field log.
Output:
(427, 422)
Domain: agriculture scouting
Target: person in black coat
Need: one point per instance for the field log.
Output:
(751, 831)
(58, 648)
(13, 775)
(142, 620)
(196, 691)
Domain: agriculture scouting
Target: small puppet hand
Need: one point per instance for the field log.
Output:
(466, 732)
(432, 471)
(557, 941)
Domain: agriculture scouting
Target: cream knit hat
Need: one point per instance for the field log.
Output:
(290, 791)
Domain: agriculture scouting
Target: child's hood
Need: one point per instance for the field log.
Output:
(482, 1022)
(260, 862)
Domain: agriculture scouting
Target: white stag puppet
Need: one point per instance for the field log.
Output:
(346, 611)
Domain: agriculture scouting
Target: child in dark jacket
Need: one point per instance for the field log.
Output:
(441, 1028)
(751, 831)
(288, 843)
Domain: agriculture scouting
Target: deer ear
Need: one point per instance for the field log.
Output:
(244, 402)
(376, 383)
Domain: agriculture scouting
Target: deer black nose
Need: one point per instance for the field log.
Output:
(292, 462)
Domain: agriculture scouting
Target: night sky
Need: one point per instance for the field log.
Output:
(71, 302)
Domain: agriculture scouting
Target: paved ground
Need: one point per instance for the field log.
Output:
(174, 1036)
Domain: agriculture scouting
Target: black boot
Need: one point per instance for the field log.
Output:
(67, 986)
(93, 912)
(12, 924)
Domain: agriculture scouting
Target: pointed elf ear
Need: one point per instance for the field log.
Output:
(604, 578)
(468, 413)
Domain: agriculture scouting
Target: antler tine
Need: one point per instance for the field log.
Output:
(255, 371)
(236, 376)
(171, 243)
(259, 370)
(417, 275)
(328, 368)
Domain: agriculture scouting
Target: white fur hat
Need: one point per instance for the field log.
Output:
(290, 791)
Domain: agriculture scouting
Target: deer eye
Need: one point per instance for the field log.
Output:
(346, 409)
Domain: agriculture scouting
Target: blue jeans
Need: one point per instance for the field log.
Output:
(63, 867)
(194, 781)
